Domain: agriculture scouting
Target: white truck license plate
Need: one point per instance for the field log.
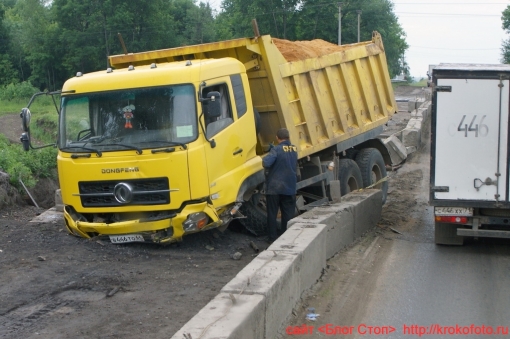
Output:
(458, 211)
(120, 239)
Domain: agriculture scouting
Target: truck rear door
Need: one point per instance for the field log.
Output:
(471, 139)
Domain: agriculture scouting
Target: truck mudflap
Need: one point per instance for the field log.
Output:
(193, 218)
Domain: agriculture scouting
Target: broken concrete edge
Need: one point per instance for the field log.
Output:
(415, 104)
(260, 299)
(402, 143)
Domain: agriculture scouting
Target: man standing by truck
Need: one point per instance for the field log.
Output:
(281, 179)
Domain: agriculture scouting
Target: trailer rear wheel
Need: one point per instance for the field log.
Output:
(446, 234)
(373, 169)
(349, 176)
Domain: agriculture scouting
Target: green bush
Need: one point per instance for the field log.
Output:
(27, 166)
(19, 91)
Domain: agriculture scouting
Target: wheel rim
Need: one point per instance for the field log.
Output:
(352, 184)
(376, 175)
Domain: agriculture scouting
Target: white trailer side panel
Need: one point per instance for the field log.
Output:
(472, 120)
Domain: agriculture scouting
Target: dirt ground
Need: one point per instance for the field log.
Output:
(53, 285)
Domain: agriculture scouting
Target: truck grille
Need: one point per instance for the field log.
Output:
(154, 191)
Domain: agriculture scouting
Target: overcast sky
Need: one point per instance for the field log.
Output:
(447, 31)
(451, 31)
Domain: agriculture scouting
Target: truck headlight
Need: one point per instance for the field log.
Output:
(195, 222)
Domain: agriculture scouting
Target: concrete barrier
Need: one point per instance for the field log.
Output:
(273, 283)
(396, 149)
(227, 316)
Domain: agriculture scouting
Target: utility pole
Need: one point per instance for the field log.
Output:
(359, 14)
(339, 23)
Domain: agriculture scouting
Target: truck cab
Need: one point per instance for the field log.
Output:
(155, 148)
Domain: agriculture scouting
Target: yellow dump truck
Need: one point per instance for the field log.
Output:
(170, 142)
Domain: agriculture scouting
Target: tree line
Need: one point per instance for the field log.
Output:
(45, 42)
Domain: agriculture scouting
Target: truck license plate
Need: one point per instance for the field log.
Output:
(120, 239)
(458, 211)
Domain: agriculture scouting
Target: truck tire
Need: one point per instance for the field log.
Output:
(255, 212)
(446, 234)
(373, 169)
(349, 176)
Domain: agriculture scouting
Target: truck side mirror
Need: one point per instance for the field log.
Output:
(25, 140)
(25, 123)
(213, 105)
(25, 119)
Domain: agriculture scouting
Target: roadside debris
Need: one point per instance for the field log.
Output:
(237, 256)
(311, 315)
(112, 292)
(254, 246)
(395, 231)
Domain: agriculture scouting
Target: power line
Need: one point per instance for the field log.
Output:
(448, 14)
(457, 49)
(451, 3)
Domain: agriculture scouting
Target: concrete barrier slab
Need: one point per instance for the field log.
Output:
(227, 316)
(411, 137)
(308, 242)
(411, 149)
(366, 210)
(339, 221)
(414, 123)
(414, 104)
(396, 149)
(275, 275)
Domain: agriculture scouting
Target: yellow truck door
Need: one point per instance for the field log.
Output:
(232, 139)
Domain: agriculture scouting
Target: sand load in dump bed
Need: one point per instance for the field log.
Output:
(301, 50)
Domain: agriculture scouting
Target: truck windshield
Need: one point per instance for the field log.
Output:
(128, 119)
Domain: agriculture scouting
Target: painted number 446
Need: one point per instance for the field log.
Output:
(480, 128)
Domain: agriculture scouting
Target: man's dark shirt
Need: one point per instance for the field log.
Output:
(281, 163)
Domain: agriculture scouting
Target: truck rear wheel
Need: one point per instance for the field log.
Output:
(349, 176)
(446, 234)
(373, 169)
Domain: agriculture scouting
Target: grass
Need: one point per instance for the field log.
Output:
(40, 105)
(421, 83)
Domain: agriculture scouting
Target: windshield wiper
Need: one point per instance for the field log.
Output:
(137, 149)
(69, 148)
(168, 143)
(163, 150)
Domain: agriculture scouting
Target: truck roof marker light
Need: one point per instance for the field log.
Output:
(109, 70)
(131, 68)
(79, 74)
(451, 219)
(188, 63)
(153, 65)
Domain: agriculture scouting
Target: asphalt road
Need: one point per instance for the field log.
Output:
(396, 283)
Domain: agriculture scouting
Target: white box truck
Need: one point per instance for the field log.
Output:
(470, 153)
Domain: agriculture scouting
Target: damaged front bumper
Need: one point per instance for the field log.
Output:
(164, 229)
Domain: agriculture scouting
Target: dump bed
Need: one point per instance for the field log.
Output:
(322, 100)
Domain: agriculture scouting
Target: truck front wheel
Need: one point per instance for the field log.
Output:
(446, 234)
(255, 212)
